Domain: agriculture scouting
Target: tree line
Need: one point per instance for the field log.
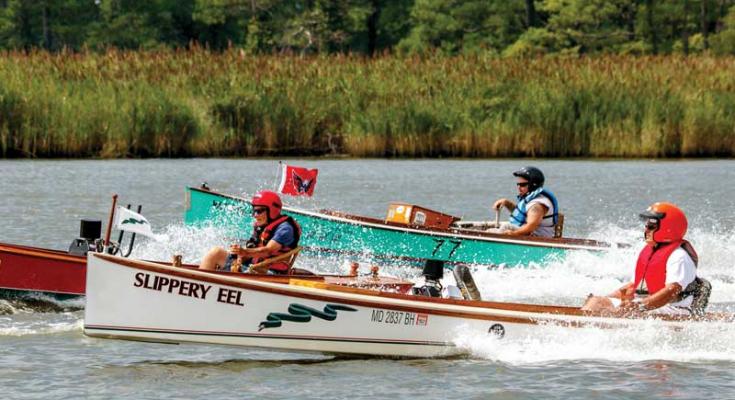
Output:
(502, 27)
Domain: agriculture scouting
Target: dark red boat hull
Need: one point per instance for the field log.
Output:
(34, 269)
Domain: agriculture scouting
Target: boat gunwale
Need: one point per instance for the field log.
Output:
(561, 243)
(537, 313)
(40, 252)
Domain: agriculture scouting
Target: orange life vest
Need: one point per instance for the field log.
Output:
(651, 265)
(267, 234)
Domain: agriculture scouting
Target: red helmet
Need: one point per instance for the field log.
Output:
(671, 222)
(270, 200)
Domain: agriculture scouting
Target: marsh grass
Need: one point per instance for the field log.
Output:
(199, 103)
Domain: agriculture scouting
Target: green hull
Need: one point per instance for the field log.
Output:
(344, 234)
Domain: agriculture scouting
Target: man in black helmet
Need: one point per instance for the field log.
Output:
(537, 211)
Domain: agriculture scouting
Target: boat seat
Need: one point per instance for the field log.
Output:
(288, 257)
(559, 227)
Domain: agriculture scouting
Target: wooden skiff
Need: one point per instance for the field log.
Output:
(137, 300)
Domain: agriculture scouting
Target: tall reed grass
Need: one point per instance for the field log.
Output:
(199, 103)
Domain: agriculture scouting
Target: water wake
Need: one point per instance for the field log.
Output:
(695, 343)
(568, 281)
(12, 302)
(40, 324)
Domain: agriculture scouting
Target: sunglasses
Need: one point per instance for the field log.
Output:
(521, 184)
(652, 225)
(258, 211)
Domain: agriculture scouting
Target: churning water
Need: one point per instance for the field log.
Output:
(45, 355)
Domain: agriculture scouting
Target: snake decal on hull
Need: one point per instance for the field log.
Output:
(301, 313)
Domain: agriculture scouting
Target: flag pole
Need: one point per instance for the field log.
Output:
(109, 222)
(278, 176)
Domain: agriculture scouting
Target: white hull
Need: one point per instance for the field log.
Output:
(143, 301)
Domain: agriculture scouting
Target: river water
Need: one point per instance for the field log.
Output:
(45, 355)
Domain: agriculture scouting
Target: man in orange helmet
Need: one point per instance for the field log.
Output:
(665, 280)
(273, 234)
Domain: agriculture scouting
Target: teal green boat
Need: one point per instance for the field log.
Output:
(336, 232)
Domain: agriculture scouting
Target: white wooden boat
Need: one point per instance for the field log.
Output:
(138, 300)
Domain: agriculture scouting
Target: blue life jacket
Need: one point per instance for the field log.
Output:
(519, 215)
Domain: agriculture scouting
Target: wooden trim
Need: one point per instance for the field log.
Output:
(288, 257)
(244, 284)
(41, 253)
(487, 305)
(470, 234)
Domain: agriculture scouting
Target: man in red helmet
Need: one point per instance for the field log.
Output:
(273, 234)
(665, 279)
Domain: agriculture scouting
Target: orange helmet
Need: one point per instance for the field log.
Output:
(668, 222)
(270, 200)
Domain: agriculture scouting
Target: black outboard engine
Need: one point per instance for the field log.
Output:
(433, 273)
(89, 240)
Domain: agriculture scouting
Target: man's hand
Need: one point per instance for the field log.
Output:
(236, 250)
(503, 203)
(628, 305)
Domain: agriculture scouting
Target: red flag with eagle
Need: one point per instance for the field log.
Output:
(297, 181)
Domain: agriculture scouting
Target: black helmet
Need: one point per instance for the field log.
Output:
(533, 175)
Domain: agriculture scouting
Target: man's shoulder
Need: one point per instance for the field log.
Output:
(680, 256)
(284, 234)
(541, 200)
(283, 227)
(680, 253)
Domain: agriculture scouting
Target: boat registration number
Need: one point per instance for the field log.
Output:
(399, 318)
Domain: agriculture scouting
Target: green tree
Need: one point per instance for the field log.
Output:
(224, 22)
(579, 26)
(46, 24)
(18, 24)
(393, 24)
(454, 25)
(723, 42)
(142, 24)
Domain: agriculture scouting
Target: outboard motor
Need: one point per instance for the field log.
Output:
(433, 273)
(89, 240)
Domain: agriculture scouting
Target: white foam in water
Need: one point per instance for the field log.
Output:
(40, 324)
(716, 261)
(191, 243)
(712, 342)
(580, 273)
(38, 302)
(570, 280)
(194, 242)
